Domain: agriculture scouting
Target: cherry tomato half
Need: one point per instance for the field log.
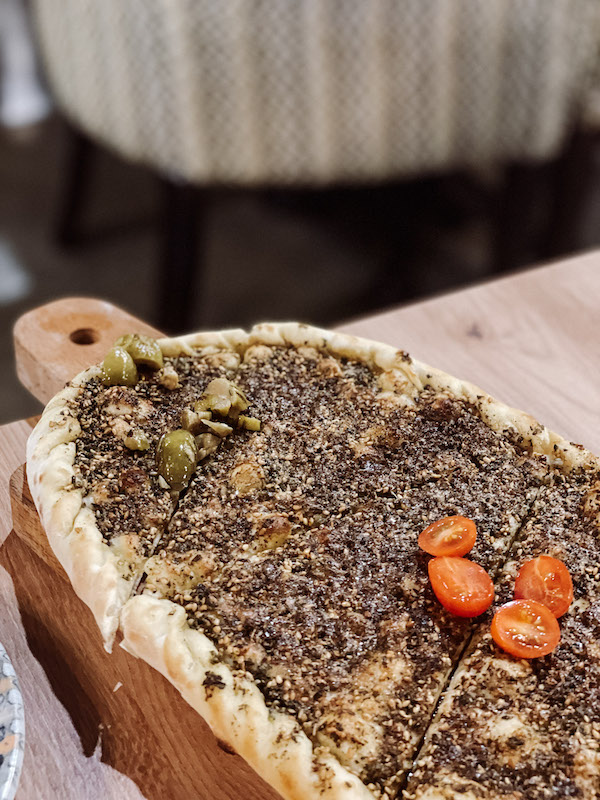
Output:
(451, 536)
(525, 629)
(462, 587)
(546, 580)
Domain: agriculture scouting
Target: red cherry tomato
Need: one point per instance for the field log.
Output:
(462, 587)
(546, 580)
(451, 536)
(525, 629)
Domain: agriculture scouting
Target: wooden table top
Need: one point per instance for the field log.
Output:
(531, 340)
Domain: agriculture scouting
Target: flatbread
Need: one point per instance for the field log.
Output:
(528, 729)
(283, 594)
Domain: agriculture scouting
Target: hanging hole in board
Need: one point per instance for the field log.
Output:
(84, 336)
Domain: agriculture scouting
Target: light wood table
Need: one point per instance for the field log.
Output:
(532, 340)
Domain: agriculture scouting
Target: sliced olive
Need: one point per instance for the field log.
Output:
(190, 421)
(222, 397)
(220, 428)
(118, 368)
(143, 349)
(238, 401)
(213, 402)
(249, 423)
(177, 456)
(137, 440)
(194, 420)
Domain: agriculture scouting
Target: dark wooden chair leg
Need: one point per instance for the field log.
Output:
(79, 151)
(542, 209)
(574, 175)
(521, 214)
(178, 267)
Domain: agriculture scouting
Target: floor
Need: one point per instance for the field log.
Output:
(316, 256)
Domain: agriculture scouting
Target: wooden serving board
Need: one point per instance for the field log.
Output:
(147, 731)
(531, 340)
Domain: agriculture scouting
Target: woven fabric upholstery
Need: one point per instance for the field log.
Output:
(315, 91)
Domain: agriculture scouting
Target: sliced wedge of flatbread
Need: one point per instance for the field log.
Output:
(529, 729)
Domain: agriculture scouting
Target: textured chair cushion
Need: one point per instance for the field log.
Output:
(314, 91)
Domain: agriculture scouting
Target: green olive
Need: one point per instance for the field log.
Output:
(239, 402)
(249, 423)
(222, 397)
(137, 440)
(220, 428)
(118, 368)
(177, 456)
(190, 421)
(215, 403)
(193, 421)
(143, 349)
(201, 406)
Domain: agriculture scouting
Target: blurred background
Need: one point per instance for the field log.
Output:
(206, 164)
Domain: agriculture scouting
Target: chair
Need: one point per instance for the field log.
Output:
(314, 92)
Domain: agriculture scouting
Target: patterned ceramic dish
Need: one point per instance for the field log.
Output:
(12, 728)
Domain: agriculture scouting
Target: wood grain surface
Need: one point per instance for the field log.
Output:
(147, 731)
(532, 340)
(117, 703)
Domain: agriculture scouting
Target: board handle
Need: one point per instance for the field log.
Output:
(56, 341)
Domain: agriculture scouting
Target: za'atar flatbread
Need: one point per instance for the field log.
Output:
(280, 588)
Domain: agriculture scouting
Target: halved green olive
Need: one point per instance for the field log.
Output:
(118, 368)
(177, 456)
(143, 349)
